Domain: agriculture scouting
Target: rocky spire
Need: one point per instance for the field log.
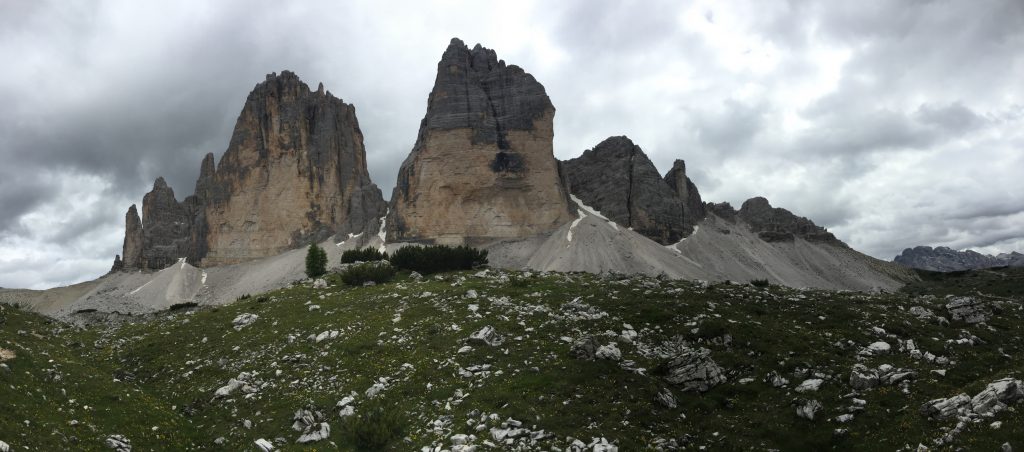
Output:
(166, 227)
(693, 206)
(132, 248)
(482, 168)
(617, 179)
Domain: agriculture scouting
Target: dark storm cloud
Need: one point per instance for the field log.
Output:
(893, 123)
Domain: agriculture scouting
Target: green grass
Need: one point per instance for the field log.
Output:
(169, 366)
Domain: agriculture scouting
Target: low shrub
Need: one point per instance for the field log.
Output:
(759, 283)
(438, 258)
(185, 305)
(367, 254)
(374, 428)
(359, 274)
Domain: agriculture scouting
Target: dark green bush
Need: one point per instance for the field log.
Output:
(367, 254)
(438, 258)
(359, 274)
(374, 428)
(759, 283)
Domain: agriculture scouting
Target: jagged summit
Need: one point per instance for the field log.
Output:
(775, 224)
(482, 168)
(617, 179)
(294, 171)
(944, 259)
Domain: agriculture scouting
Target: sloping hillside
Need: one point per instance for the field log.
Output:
(525, 361)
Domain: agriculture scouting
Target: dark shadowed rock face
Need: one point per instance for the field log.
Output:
(617, 179)
(693, 206)
(722, 210)
(295, 171)
(775, 224)
(482, 168)
(132, 248)
(943, 259)
(166, 227)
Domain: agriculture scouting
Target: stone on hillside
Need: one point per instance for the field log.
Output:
(610, 352)
(119, 443)
(773, 378)
(243, 320)
(486, 336)
(229, 388)
(921, 312)
(694, 370)
(997, 395)
(319, 283)
(969, 309)
(944, 408)
(585, 348)
(808, 408)
(4, 447)
(483, 167)
(666, 398)
(879, 348)
(809, 385)
(264, 445)
(309, 422)
(617, 179)
(862, 378)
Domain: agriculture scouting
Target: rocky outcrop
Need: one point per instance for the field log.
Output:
(617, 179)
(686, 190)
(132, 248)
(943, 259)
(482, 168)
(166, 227)
(774, 224)
(294, 172)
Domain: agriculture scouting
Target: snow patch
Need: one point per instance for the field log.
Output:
(350, 237)
(203, 282)
(382, 233)
(140, 287)
(583, 211)
(675, 246)
(181, 260)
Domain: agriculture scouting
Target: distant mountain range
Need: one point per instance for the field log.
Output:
(943, 259)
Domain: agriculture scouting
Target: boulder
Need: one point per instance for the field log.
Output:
(808, 408)
(694, 370)
(486, 336)
(944, 408)
(968, 309)
(997, 395)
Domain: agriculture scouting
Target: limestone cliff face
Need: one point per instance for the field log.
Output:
(617, 179)
(294, 171)
(482, 168)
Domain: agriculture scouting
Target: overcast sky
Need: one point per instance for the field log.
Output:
(892, 123)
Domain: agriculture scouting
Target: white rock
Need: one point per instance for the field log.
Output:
(471, 293)
(319, 283)
(4, 447)
(844, 418)
(808, 409)
(486, 336)
(810, 385)
(264, 445)
(227, 389)
(610, 352)
(244, 320)
(879, 348)
(316, 434)
(465, 349)
(323, 336)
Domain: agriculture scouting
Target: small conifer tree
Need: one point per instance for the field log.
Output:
(316, 261)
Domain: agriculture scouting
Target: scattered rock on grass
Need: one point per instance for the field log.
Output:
(486, 336)
(808, 408)
(119, 443)
(243, 320)
(968, 309)
(694, 370)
